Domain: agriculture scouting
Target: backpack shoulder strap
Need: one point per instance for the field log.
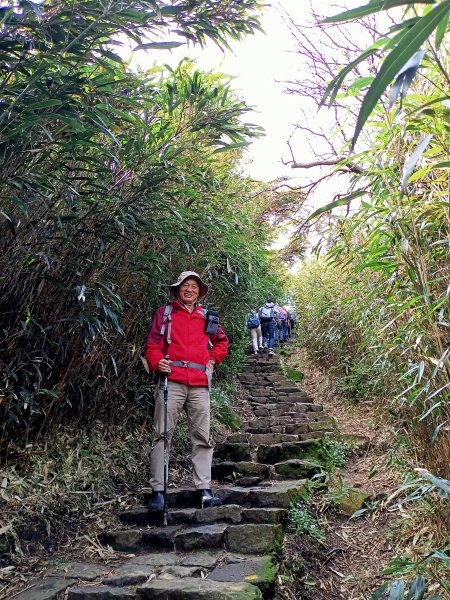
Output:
(167, 322)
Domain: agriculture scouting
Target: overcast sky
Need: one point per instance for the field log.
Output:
(260, 64)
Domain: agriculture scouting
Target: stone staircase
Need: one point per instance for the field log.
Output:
(219, 553)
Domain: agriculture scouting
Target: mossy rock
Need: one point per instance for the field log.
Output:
(352, 500)
(293, 374)
(260, 571)
(308, 450)
(232, 452)
(297, 469)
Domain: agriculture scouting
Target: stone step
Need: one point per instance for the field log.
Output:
(123, 581)
(288, 389)
(201, 537)
(280, 494)
(141, 540)
(247, 538)
(266, 368)
(281, 405)
(309, 449)
(268, 380)
(276, 495)
(263, 411)
(228, 513)
(234, 452)
(260, 570)
(273, 429)
(297, 469)
(191, 588)
(171, 589)
(300, 407)
(100, 592)
(254, 439)
(229, 470)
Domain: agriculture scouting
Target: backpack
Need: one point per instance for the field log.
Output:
(211, 322)
(266, 313)
(253, 321)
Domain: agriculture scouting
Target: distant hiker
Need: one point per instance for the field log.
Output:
(254, 327)
(267, 313)
(292, 322)
(282, 323)
(186, 344)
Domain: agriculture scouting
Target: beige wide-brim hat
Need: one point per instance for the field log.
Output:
(185, 275)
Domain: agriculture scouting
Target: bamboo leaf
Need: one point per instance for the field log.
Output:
(414, 158)
(397, 590)
(441, 30)
(44, 104)
(334, 86)
(159, 46)
(437, 430)
(405, 77)
(335, 204)
(379, 593)
(417, 588)
(407, 46)
(373, 7)
(227, 147)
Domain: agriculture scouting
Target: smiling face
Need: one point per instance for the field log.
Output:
(189, 291)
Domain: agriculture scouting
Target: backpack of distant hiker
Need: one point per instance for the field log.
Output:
(266, 313)
(253, 321)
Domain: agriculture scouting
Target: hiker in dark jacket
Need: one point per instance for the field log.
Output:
(178, 333)
(267, 315)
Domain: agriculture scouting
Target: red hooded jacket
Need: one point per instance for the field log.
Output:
(189, 342)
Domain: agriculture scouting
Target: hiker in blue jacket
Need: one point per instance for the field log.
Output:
(267, 315)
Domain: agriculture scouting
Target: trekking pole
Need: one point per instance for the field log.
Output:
(166, 457)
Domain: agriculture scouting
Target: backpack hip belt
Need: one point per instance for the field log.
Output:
(186, 364)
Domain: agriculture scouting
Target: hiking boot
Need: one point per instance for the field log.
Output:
(207, 499)
(156, 503)
(271, 352)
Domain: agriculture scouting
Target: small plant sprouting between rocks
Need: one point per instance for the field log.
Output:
(335, 454)
(222, 411)
(301, 521)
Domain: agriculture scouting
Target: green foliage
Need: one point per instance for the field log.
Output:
(338, 331)
(181, 441)
(416, 587)
(111, 183)
(335, 454)
(375, 305)
(301, 521)
(222, 410)
(405, 41)
(293, 374)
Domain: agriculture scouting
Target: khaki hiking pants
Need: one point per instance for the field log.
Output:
(256, 338)
(196, 403)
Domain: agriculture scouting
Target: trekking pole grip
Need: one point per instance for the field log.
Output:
(167, 373)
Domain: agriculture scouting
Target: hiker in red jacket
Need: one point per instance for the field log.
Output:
(179, 345)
